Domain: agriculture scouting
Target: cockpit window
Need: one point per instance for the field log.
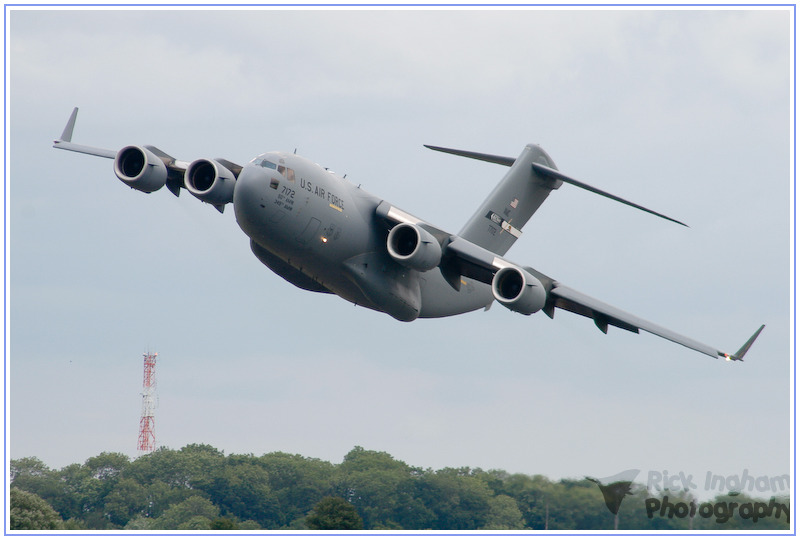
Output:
(261, 161)
(264, 163)
(287, 172)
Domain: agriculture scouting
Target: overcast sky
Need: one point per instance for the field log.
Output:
(683, 111)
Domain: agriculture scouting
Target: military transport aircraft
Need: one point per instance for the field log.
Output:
(323, 234)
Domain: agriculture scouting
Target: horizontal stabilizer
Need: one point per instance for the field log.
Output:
(500, 160)
(552, 173)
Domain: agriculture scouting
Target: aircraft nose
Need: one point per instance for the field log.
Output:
(250, 197)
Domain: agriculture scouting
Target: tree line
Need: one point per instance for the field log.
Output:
(199, 488)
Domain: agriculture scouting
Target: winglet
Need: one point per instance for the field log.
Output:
(65, 142)
(66, 136)
(739, 355)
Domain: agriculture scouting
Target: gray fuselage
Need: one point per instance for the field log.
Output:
(321, 233)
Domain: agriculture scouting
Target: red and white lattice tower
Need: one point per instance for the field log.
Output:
(147, 435)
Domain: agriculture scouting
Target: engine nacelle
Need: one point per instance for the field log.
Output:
(140, 168)
(518, 290)
(414, 247)
(210, 181)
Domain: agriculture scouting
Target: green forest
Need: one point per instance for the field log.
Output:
(200, 488)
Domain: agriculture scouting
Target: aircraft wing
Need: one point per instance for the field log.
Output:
(461, 257)
(147, 168)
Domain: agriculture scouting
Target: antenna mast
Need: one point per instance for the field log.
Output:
(147, 435)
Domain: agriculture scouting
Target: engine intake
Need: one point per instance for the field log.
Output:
(210, 181)
(140, 168)
(518, 290)
(414, 247)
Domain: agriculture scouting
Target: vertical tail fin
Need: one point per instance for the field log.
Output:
(498, 221)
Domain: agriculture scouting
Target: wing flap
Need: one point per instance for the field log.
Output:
(600, 317)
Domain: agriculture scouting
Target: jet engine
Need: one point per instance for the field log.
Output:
(518, 290)
(414, 247)
(210, 181)
(140, 168)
